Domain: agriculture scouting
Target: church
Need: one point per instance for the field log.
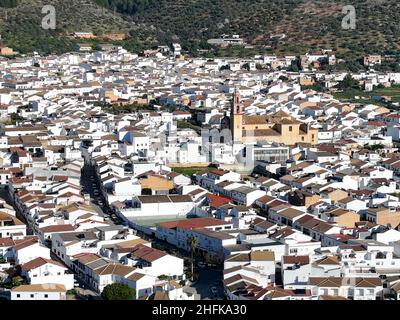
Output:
(279, 127)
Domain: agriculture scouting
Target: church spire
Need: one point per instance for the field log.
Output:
(236, 106)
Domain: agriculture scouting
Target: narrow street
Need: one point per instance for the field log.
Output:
(81, 288)
(4, 194)
(92, 186)
(209, 280)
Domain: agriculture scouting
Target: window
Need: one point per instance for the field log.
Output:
(18, 295)
(46, 296)
(32, 295)
(290, 128)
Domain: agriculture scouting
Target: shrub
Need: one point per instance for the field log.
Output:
(118, 291)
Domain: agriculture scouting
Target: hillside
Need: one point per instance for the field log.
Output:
(20, 24)
(307, 24)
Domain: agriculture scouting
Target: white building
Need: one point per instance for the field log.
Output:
(42, 271)
(49, 291)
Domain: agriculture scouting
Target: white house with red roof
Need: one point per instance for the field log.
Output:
(208, 231)
(6, 245)
(213, 177)
(45, 233)
(159, 205)
(28, 249)
(47, 291)
(42, 271)
(10, 225)
(154, 262)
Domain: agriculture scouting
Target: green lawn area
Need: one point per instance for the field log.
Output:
(148, 222)
(187, 125)
(191, 170)
(366, 97)
(393, 92)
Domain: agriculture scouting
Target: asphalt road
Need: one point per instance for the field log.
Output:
(208, 279)
(91, 185)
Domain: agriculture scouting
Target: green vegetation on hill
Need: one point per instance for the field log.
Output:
(306, 24)
(21, 25)
(8, 3)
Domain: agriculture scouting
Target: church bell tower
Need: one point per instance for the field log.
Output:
(236, 118)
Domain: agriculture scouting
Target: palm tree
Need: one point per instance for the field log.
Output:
(192, 243)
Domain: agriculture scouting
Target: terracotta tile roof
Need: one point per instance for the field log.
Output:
(193, 223)
(338, 282)
(45, 287)
(217, 201)
(57, 228)
(265, 199)
(330, 260)
(38, 262)
(146, 253)
(301, 260)
(262, 256)
(26, 242)
(6, 242)
(112, 268)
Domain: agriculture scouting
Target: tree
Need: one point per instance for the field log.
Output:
(192, 243)
(118, 291)
(295, 66)
(349, 83)
(16, 117)
(16, 281)
(147, 192)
